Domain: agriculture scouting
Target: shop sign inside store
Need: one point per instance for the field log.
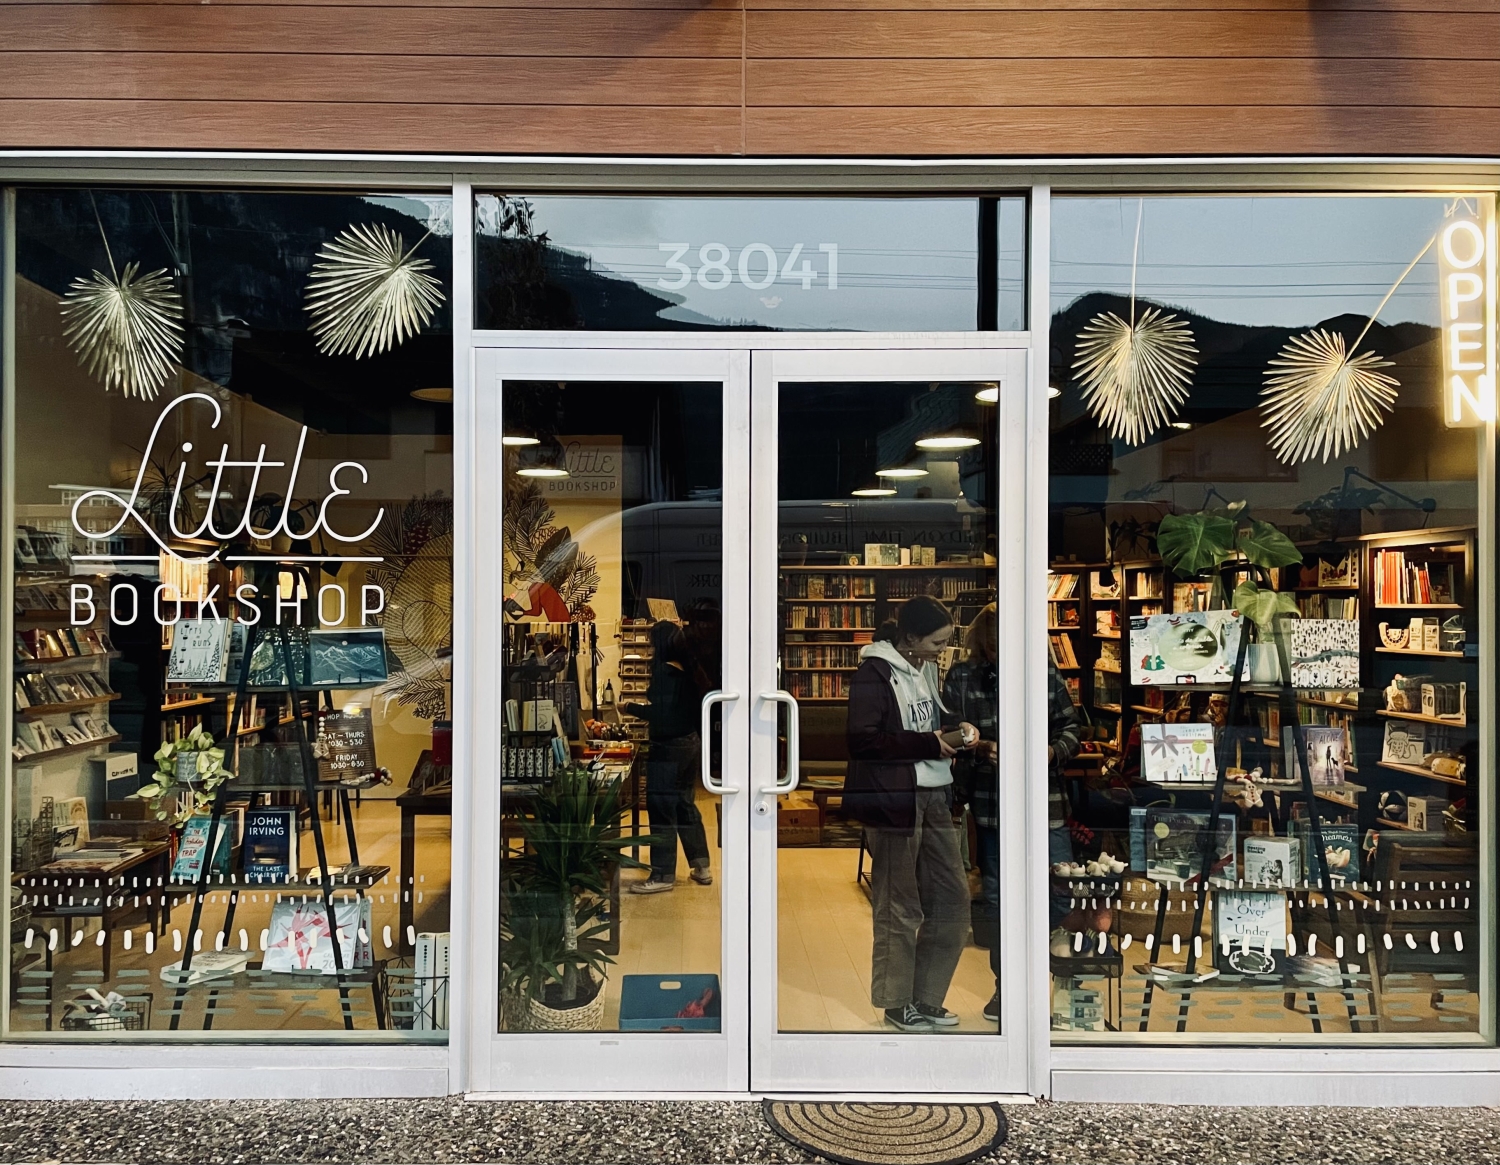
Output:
(1466, 271)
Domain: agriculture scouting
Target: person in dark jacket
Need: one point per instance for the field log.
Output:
(898, 786)
(672, 761)
(971, 691)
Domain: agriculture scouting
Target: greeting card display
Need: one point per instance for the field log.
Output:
(1178, 754)
(1191, 647)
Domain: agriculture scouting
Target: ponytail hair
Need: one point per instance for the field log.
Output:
(886, 633)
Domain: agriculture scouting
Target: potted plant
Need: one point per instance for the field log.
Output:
(191, 763)
(1219, 541)
(555, 903)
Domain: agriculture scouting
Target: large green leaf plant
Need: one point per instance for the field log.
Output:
(1192, 545)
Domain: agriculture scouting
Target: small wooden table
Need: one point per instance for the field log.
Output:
(111, 891)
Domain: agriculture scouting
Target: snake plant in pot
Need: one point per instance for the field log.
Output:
(555, 903)
(1219, 543)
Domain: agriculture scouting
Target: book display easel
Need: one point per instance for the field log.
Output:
(1288, 752)
(291, 657)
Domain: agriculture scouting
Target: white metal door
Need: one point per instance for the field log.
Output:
(614, 1060)
(838, 1041)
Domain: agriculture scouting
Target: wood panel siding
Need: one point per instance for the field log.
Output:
(763, 77)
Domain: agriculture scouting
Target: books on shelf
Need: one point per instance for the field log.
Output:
(1320, 606)
(821, 655)
(1061, 647)
(829, 586)
(191, 850)
(200, 652)
(1326, 749)
(270, 844)
(1175, 843)
(829, 616)
(1400, 581)
(813, 685)
(1062, 586)
(38, 645)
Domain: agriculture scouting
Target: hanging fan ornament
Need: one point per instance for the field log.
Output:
(1135, 373)
(368, 292)
(1321, 397)
(125, 328)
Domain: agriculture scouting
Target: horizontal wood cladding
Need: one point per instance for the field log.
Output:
(277, 125)
(1294, 81)
(1144, 130)
(767, 77)
(367, 79)
(394, 30)
(1111, 35)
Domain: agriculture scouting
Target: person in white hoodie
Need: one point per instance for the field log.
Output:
(899, 786)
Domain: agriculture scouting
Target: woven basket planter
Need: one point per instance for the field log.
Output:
(523, 1014)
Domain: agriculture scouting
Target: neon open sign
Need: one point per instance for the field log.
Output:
(1466, 268)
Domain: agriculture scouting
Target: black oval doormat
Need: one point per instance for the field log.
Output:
(889, 1134)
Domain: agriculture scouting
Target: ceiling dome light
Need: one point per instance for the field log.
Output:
(906, 471)
(520, 440)
(436, 396)
(947, 442)
(1180, 424)
(542, 471)
(989, 394)
(874, 493)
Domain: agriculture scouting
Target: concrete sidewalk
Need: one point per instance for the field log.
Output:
(424, 1132)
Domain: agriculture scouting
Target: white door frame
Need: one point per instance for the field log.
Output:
(553, 1063)
(638, 1063)
(887, 1062)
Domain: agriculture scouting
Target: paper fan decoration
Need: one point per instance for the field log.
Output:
(1135, 375)
(1320, 399)
(1137, 372)
(368, 293)
(126, 329)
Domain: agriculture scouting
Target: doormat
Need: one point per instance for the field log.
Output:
(889, 1134)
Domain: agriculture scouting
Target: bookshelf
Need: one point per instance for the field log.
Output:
(829, 612)
(1066, 588)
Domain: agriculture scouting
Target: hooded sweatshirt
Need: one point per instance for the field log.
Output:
(916, 692)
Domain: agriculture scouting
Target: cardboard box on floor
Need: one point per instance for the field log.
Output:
(799, 820)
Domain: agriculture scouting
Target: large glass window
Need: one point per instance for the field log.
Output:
(230, 473)
(781, 264)
(1269, 553)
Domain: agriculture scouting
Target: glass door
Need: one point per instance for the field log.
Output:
(610, 599)
(887, 759)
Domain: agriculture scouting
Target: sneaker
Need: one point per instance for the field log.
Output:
(992, 1008)
(937, 1016)
(654, 885)
(907, 1019)
(702, 876)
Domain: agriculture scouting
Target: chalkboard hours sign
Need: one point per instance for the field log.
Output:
(346, 746)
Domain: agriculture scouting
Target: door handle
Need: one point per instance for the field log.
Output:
(705, 739)
(793, 742)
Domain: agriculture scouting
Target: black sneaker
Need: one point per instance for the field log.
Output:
(992, 1008)
(907, 1019)
(937, 1016)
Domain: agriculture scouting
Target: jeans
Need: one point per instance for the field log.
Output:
(1059, 849)
(671, 781)
(919, 895)
(989, 887)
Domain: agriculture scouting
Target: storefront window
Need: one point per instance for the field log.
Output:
(694, 264)
(1268, 553)
(230, 472)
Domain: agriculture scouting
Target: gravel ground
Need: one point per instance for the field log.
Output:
(703, 1132)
